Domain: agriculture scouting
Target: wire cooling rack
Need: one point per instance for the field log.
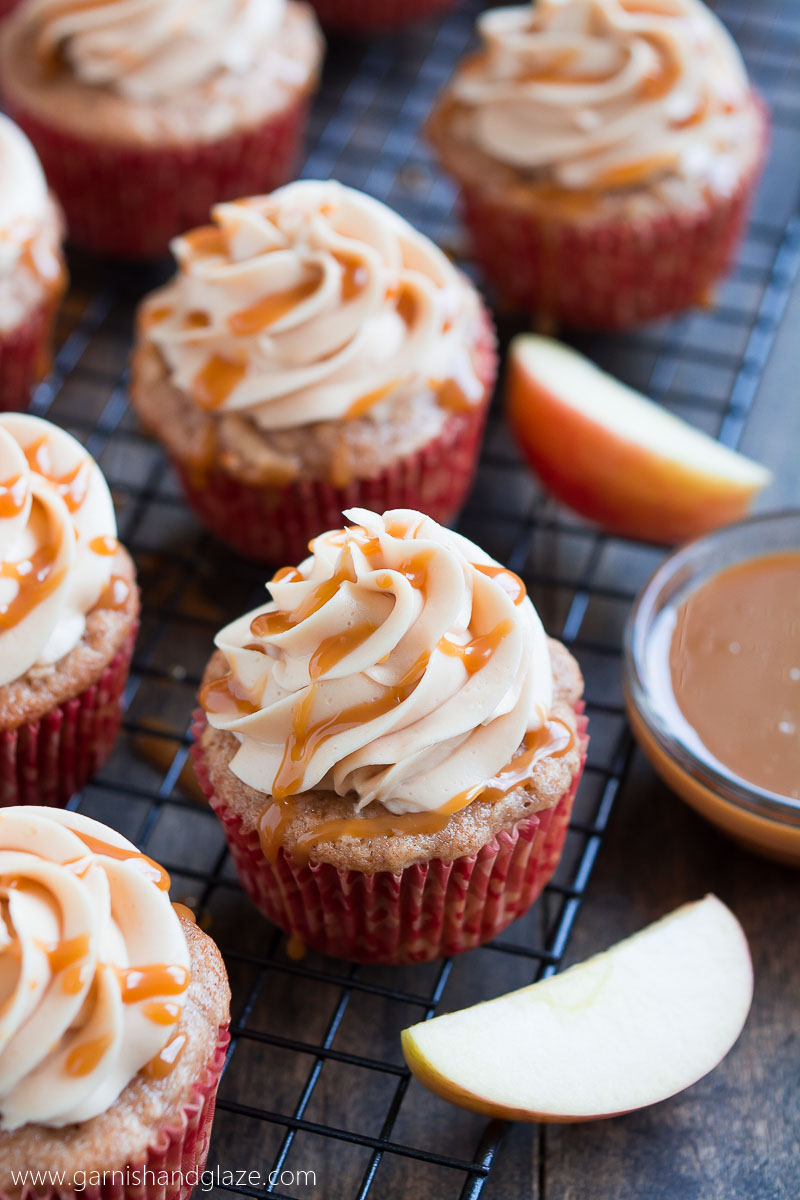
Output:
(315, 1081)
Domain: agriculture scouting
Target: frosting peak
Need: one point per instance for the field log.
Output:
(606, 93)
(94, 966)
(314, 303)
(399, 662)
(57, 542)
(146, 49)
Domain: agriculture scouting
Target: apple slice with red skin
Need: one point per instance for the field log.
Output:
(625, 1029)
(614, 456)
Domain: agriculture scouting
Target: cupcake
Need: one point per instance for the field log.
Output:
(367, 16)
(392, 744)
(115, 1014)
(145, 114)
(32, 275)
(607, 152)
(68, 614)
(313, 352)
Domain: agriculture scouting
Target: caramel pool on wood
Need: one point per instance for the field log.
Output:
(734, 664)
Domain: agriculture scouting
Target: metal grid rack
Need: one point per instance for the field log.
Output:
(315, 1079)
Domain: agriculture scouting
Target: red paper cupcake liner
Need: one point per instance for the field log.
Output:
(375, 16)
(47, 761)
(612, 275)
(172, 1164)
(6, 6)
(427, 911)
(25, 356)
(128, 202)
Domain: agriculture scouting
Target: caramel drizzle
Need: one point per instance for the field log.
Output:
(37, 580)
(156, 979)
(83, 1059)
(214, 383)
(249, 322)
(185, 913)
(105, 546)
(115, 594)
(162, 1012)
(511, 584)
(553, 740)
(145, 865)
(13, 493)
(206, 240)
(364, 403)
(71, 487)
(451, 396)
(475, 653)
(167, 1059)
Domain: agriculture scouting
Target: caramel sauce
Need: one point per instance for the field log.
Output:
(364, 403)
(167, 1059)
(477, 652)
(267, 625)
(67, 953)
(37, 580)
(115, 594)
(83, 1059)
(511, 584)
(451, 397)
(196, 320)
(162, 1012)
(105, 546)
(151, 317)
(407, 305)
(295, 948)
(206, 239)
(226, 697)
(657, 84)
(249, 322)
(354, 275)
(627, 174)
(76, 978)
(734, 663)
(333, 649)
(13, 493)
(72, 487)
(287, 575)
(213, 383)
(157, 979)
(183, 912)
(147, 866)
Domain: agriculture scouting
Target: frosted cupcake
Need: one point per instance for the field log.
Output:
(146, 112)
(312, 352)
(392, 743)
(607, 152)
(32, 275)
(68, 614)
(115, 1012)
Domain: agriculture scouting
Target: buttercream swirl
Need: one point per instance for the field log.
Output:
(607, 93)
(311, 304)
(93, 966)
(57, 542)
(146, 49)
(398, 662)
(24, 205)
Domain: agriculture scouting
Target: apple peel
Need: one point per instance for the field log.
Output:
(614, 456)
(625, 1029)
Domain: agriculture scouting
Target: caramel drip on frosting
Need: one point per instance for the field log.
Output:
(162, 1012)
(71, 487)
(84, 1058)
(157, 979)
(147, 866)
(511, 584)
(206, 239)
(104, 546)
(12, 496)
(259, 316)
(333, 649)
(37, 580)
(115, 594)
(214, 382)
(166, 1060)
(477, 652)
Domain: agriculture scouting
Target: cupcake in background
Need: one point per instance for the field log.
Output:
(6, 7)
(145, 114)
(69, 611)
(32, 273)
(607, 152)
(313, 352)
(115, 1018)
(392, 743)
(364, 17)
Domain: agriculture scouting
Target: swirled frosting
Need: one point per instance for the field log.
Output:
(399, 663)
(57, 542)
(23, 195)
(606, 93)
(146, 49)
(311, 304)
(93, 966)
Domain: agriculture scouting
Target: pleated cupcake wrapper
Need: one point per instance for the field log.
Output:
(611, 275)
(25, 355)
(172, 1164)
(47, 761)
(424, 912)
(375, 16)
(6, 7)
(128, 202)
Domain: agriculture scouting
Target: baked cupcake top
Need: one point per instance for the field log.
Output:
(57, 543)
(94, 966)
(30, 230)
(606, 94)
(311, 304)
(148, 49)
(397, 664)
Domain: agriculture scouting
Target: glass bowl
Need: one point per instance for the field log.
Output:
(759, 819)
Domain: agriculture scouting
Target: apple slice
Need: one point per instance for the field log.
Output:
(626, 1028)
(614, 456)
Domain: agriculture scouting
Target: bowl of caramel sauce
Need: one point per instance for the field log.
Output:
(711, 674)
